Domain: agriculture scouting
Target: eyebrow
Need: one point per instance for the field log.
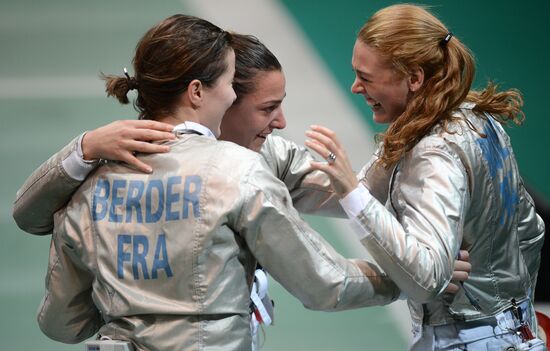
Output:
(358, 71)
(275, 101)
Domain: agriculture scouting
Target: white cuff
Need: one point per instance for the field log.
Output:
(75, 165)
(354, 202)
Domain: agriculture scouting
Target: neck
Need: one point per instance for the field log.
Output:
(181, 115)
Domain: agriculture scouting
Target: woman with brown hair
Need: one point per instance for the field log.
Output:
(165, 260)
(454, 183)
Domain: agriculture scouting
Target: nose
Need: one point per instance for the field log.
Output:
(279, 122)
(357, 87)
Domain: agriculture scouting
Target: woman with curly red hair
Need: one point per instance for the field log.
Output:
(452, 183)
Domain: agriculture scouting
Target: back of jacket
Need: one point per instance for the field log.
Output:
(171, 254)
(496, 222)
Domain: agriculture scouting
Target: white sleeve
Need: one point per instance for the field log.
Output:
(353, 203)
(75, 165)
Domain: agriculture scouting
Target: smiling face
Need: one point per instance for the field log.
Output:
(257, 113)
(385, 91)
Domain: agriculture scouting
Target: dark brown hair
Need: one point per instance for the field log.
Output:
(168, 57)
(251, 57)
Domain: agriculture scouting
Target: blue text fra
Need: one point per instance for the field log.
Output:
(137, 201)
(134, 250)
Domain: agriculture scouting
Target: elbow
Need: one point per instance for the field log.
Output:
(325, 297)
(36, 230)
(69, 333)
(349, 293)
(320, 304)
(323, 306)
(68, 328)
(53, 331)
(21, 218)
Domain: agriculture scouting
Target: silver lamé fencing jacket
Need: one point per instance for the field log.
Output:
(455, 189)
(166, 259)
(459, 188)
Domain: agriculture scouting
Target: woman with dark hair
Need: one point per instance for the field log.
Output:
(454, 184)
(259, 84)
(165, 260)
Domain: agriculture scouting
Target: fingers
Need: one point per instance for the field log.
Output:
(146, 147)
(149, 135)
(150, 124)
(132, 146)
(317, 147)
(461, 271)
(119, 140)
(145, 130)
(326, 133)
(139, 165)
(322, 139)
(324, 142)
(464, 255)
(452, 288)
(325, 167)
(460, 276)
(463, 266)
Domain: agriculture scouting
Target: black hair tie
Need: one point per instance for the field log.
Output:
(445, 41)
(132, 83)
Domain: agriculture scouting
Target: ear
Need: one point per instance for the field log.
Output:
(416, 79)
(195, 93)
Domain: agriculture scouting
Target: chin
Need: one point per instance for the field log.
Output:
(381, 119)
(257, 144)
(377, 119)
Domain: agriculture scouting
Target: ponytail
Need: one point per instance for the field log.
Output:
(118, 86)
(504, 106)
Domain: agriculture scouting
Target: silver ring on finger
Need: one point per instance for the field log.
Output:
(331, 158)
